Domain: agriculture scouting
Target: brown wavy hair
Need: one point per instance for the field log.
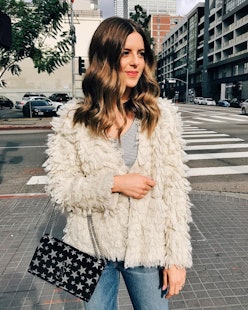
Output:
(103, 86)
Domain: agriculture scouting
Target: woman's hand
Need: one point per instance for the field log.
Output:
(133, 185)
(174, 279)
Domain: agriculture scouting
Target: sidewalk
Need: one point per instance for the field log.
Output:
(218, 279)
(25, 123)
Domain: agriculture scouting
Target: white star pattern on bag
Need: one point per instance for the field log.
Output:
(58, 263)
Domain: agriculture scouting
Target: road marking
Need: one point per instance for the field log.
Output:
(192, 122)
(196, 132)
(214, 140)
(217, 155)
(22, 147)
(213, 118)
(217, 170)
(37, 180)
(215, 147)
(237, 119)
(205, 134)
(209, 120)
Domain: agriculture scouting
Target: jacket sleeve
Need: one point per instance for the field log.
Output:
(176, 190)
(69, 188)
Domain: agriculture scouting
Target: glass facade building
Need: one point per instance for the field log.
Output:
(208, 51)
(154, 6)
(123, 8)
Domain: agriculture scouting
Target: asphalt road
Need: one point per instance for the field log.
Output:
(216, 146)
(217, 140)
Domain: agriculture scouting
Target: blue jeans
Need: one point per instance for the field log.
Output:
(143, 285)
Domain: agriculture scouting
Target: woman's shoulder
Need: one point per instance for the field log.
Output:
(167, 104)
(63, 122)
(168, 109)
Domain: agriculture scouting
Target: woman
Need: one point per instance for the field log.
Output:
(118, 155)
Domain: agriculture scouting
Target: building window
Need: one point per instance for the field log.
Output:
(235, 70)
(246, 67)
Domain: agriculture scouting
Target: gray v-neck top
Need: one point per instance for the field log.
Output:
(129, 144)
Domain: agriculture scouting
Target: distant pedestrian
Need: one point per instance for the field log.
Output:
(118, 155)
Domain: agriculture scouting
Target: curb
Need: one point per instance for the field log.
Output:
(48, 127)
(23, 195)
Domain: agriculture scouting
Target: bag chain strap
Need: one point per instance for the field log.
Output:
(94, 238)
(90, 227)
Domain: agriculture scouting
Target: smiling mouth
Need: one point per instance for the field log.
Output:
(132, 73)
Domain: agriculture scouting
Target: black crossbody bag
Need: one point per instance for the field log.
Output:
(67, 267)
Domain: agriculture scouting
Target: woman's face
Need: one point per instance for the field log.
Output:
(132, 61)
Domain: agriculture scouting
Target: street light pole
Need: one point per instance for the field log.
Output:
(187, 85)
(173, 80)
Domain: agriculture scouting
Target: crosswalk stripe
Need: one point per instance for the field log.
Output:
(201, 135)
(37, 180)
(214, 140)
(186, 132)
(237, 119)
(217, 155)
(217, 170)
(215, 146)
(192, 122)
(209, 120)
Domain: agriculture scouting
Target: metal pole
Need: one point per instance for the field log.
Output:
(30, 110)
(73, 40)
(187, 85)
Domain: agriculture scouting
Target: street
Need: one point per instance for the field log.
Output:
(216, 146)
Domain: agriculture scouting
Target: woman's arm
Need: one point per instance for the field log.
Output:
(67, 184)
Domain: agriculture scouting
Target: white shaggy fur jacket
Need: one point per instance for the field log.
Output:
(153, 231)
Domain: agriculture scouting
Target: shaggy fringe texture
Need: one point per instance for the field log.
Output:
(153, 231)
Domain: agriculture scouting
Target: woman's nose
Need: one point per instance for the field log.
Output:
(134, 60)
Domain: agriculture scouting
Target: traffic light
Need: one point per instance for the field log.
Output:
(5, 31)
(81, 65)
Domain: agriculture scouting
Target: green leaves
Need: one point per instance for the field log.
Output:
(37, 33)
(140, 16)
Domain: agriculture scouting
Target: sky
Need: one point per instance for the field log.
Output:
(183, 6)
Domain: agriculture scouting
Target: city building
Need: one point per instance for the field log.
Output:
(206, 54)
(121, 8)
(154, 6)
(160, 25)
(163, 16)
(86, 18)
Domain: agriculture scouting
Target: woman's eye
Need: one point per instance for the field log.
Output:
(125, 53)
(142, 54)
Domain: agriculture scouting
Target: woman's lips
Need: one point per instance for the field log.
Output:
(132, 73)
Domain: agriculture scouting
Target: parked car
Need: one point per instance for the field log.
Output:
(236, 103)
(223, 103)
(36, 108)
(55, 104)
(25, 98)
(244, 107)
(60, 97)
(19, 104)
(208, 101)
(6, 102)
(197, 100)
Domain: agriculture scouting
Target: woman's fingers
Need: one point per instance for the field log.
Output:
(175, 279)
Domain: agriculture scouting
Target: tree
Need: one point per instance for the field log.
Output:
(140, 17)
(33, 24)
